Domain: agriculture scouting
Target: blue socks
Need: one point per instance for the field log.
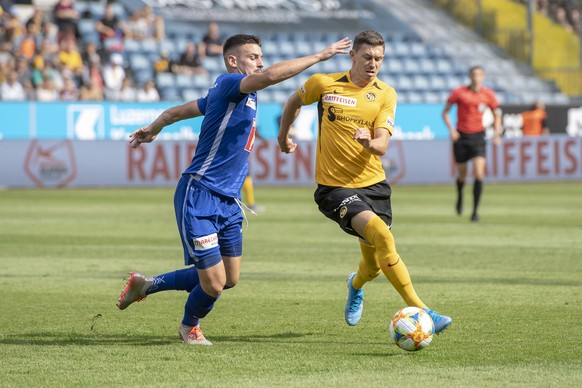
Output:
(184, 279)
(198, 305)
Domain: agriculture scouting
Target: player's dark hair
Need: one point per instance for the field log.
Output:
(371, 38)
(235, 41)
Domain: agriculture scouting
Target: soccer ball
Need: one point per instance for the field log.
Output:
(411, 328)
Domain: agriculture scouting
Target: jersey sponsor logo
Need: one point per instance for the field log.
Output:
(370, 96)
(252, 104)
(339, 100)
(206, 242)
(337, 114)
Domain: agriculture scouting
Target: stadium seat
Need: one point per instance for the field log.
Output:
(139, 62)
(184, 81)
(165, 80)
(149, 46)
(169, 93)
(131, 46)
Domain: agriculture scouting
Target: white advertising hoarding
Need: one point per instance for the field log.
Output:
(66, 163)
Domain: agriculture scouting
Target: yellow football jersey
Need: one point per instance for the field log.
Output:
(343, 107)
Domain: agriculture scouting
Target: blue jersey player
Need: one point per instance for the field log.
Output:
(207, 198)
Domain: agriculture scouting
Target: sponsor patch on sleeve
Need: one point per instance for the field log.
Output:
(390, 121)
(206, 242)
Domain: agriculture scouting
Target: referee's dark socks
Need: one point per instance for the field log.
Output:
(460, 185)
(477, 190)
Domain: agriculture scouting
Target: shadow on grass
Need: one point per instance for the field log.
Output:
(97, 339)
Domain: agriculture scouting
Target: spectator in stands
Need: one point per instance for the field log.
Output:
(143, 24)
(12, 89)
(90, 91)
(113, 76)
(28, 42)
(469, 136)
(534, 121)
(70, 56)
(189, 62)
(561, 17)
(91, 54)
(155, 24)
(13, 28)
(111, 30)
(37, 19)
(66, 18)
(576, 20)
(50, 33)
(128, 92)
(5, 54)
(93, 76)
(46, 91)
(163, 63)
(211, 45)
(70, 92)
(148, 93)
(46, 53)
(23, 70)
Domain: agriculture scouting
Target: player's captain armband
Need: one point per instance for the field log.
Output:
(390, 121)
(206, 242)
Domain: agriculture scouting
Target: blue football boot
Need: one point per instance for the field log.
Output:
(354, 304)
(441, 322)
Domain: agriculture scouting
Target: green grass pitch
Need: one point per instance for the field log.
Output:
(512, 283)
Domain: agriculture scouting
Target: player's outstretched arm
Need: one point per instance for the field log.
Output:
(290, 112)
(283, 70)
(174, 114)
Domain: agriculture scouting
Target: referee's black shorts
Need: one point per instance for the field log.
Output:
(469, 146)
(341, 203)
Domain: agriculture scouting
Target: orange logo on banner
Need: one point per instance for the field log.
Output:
(52, 165)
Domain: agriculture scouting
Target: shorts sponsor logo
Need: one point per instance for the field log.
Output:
(346, 201)
(339, 100)
(206, 242)
(343, 211)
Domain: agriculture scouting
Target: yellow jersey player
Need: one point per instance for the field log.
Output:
(356, 120)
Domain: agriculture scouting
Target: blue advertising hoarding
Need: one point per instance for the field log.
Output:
(115, 121)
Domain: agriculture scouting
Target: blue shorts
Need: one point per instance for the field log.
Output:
(210, 224)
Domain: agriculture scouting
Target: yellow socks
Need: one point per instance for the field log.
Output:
(369, 267)
(248, 191)
(379, 235)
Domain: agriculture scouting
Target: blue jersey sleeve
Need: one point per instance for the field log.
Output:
(202, 103)
(229, 86)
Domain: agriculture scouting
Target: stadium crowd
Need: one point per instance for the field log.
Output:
(45, 57)
(566, 13)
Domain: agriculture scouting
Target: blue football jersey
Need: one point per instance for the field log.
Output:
(226, 137)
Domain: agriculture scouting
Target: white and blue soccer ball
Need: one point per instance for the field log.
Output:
(411, 329)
